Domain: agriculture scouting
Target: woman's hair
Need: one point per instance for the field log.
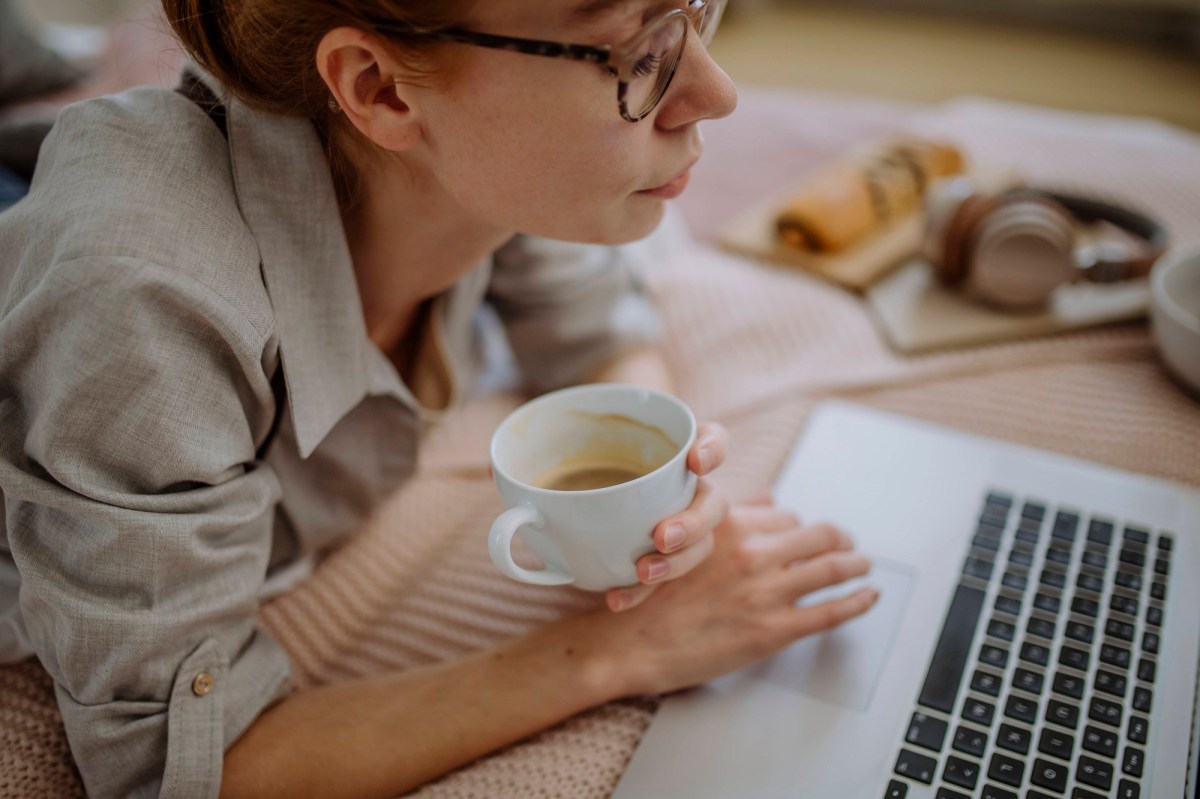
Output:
(264, 51)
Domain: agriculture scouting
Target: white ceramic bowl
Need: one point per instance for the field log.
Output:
(1175, 314)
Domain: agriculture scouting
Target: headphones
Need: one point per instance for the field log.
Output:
(1012, 250)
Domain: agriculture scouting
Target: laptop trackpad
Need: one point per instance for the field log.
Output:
(842, 667)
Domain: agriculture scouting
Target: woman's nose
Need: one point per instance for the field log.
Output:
(700, 89)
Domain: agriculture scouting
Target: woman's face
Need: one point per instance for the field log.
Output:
(537, 145)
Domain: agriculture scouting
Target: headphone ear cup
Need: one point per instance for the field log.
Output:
(1021, 253)
(944, 200)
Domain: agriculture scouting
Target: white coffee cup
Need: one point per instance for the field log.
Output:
(1175, 314)
(583, 436)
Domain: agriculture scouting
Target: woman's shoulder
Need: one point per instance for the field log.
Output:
(142, 177)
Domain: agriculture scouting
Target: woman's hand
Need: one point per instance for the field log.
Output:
(739, 605)
(685, 539)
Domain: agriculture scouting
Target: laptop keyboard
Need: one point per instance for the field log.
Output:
(1056, 697)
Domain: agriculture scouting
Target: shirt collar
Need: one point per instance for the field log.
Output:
(281, 177)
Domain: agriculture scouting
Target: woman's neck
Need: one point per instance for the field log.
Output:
(409, 241)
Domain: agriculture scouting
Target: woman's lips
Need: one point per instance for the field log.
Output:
(671, 190)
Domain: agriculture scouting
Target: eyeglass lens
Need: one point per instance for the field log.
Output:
(657, 56)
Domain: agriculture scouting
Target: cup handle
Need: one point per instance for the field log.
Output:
(500, 547)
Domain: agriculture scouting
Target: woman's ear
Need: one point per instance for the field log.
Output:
(361, 77)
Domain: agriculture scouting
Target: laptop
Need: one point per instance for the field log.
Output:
(1037, 635)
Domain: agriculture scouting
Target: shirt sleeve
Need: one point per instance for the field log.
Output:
(132, 401)
(568, 308)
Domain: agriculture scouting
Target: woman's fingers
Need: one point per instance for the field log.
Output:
(683, 530)
(627, 597)
(655, 568)
(805, 543)
(824, 616)
(822, 571)
(710, 449)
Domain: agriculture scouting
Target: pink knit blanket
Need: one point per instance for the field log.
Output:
(756, 348)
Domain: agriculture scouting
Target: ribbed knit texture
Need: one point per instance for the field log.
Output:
(756, 348)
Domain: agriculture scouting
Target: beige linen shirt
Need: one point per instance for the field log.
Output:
(153, 283)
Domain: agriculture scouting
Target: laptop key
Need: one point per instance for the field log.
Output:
(1128, 789)
(1114, 655)
(1062, 713)
(970, 741)
(1005, 769)
(1123, 604)
(993, 656)
(1048, 775)
(1008, 604)
(1154, 616)
(1030, 681)
(1065, 525)
(1014, 739)
(1137, 535)
(953, 647)
(1019, 557)
(1085, 607)
(1058, 555)
(1047, 602)
(979, 712)
(1032, 653)
(1127, 579)
(961, 772)
(1068, 685)
(1099, 740)
(1090, 582)
(1033, 510)
(985, 683)
(1162, 566)
(1057, 743)
(1100, 532)
(1084, 793)
(1150, 643)
(1001, 630)
(1078, 631)
(1158, 590)
(1095, 558)
(896, 790)
(1021, 709)
(946, 793)
(1104, 711)
(996, 792)
(1119, 629)
(927, 732)
(980, 568)
(1142, 698)
(1014, 580)
(1133, 761)
(1146, 670)
(1133, 557)
(1094, 772)
(1075, 658)
(1052, 578)
(1109, 683)
(1138, 727)
(915, 766)
(1040, 627)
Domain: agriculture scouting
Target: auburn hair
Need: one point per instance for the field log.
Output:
(264, 52)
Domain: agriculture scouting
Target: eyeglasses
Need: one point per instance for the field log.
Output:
(644, 65)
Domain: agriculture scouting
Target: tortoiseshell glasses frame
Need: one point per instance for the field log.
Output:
(643, 65)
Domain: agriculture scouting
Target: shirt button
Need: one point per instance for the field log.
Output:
(202, 684)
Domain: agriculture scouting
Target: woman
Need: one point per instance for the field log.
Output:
(231, 308)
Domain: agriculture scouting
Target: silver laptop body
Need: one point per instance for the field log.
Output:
(936, 692)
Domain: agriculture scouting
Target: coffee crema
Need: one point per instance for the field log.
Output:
(587, 476)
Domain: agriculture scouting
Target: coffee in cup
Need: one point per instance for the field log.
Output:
(587, 473)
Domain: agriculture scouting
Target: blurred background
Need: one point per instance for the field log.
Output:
(1138, 57)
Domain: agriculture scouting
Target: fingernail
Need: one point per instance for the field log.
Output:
(673, 537)
(657, 569)
(706, 458)
(618, 601)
